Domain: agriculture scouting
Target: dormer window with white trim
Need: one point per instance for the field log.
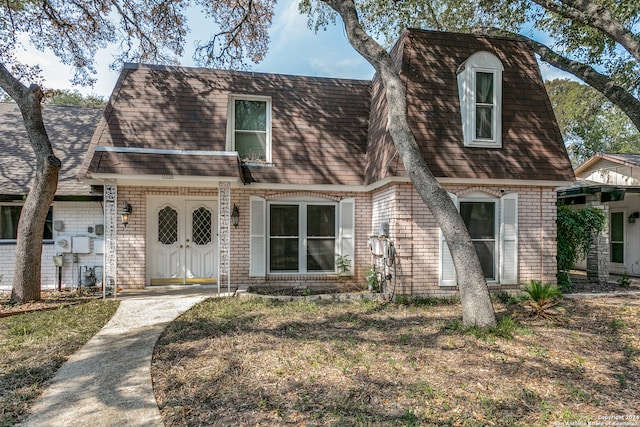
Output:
(249, 127)
(480, 93)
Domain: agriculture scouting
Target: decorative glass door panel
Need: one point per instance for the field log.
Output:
(199, 243)
(167, 252)
(182, 241)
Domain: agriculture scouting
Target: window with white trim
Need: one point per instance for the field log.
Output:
(493, 227)
(616, 237)
(9, 217)
(480, 93)
(249, 127)
(480, 217)
(302, 237)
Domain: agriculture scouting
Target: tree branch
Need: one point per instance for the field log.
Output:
(597, 16)
(615, 93)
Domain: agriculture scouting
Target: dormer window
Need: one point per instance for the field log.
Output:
(480, 93)
(249, 128)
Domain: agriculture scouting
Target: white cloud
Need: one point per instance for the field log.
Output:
(288, 23)
(551, 73)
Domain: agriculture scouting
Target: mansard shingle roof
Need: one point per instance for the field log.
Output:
(319, 125)
(331, 131)
(532, 146)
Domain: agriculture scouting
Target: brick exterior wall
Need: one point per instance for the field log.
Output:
(416, 236)
(132, 246)
(412, 229)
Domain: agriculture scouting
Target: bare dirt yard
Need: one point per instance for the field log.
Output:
(256, 362)
(50, 300)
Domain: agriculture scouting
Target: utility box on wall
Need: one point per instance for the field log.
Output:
(63, 244)
(80, 245)
(98, 246)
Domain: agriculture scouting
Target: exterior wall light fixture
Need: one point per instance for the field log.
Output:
(235, 216)
(125, 213)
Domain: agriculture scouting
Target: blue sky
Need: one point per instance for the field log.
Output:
(294, 49)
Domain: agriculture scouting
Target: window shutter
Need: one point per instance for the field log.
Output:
(447, 269)
(257, 237)
(509, 239)
(347, 230)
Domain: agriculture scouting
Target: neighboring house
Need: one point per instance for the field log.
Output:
(307, 169)
(76, 213)
(612, 183)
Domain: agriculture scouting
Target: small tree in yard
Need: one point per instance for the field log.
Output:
(576, 229)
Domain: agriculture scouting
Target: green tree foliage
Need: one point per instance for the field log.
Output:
(576, 229)
(589, 122)
(73, 98)
(595, 40)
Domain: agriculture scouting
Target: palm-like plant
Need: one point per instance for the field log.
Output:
(543, 299)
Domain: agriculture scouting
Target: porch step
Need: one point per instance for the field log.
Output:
(189, 281)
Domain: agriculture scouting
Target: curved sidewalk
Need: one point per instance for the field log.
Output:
(108, 381)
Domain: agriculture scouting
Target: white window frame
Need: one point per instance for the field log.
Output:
(302, 234)
(231, 116)
(483, 62)
(496, 229)
(506, 217)
(624, 236)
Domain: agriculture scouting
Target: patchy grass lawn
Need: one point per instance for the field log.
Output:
(257, 362)
(34, 345)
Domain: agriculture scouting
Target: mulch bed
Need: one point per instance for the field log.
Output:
(582, 285)
(51, 300)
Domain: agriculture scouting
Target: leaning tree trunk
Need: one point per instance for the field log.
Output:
(477, 309)
(27, 276)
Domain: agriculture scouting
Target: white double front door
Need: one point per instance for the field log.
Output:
(182, 240)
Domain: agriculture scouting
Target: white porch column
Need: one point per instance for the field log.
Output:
(224, 215)
(110, 236)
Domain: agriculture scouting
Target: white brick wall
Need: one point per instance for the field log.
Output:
(411, 227)
(77, 218)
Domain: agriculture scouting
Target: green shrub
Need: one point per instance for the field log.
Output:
(343, 264)
(625, 280)
(576, 229)
(373, 279)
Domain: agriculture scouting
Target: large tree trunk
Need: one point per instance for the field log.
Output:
(477, 309)
(27, 277)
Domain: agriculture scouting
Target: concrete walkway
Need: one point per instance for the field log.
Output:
(108, 381)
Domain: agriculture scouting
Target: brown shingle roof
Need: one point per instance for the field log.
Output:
(532, 146)
(319, 125)
(69, 130)
(333, 131)
(166, 163)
